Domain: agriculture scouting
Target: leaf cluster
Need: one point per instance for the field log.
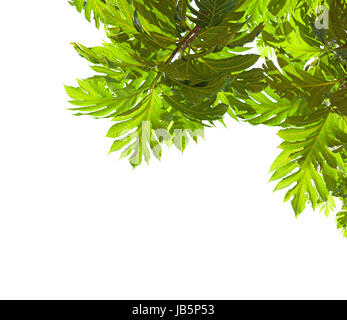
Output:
(172, 68)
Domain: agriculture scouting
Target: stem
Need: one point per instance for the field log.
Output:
(185, 43)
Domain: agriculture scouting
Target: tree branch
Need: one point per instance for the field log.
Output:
(185, 43)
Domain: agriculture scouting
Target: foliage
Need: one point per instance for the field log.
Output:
(174, 67)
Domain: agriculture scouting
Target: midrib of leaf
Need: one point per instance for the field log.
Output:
(214, 11)
(187, 109)
(208, 65)
(316, 139)
(151, 97)
(221, 68)
(322, 84)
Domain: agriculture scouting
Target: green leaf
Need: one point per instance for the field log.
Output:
(307, 156)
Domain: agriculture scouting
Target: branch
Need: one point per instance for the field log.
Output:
(184, 45)
(185, 42)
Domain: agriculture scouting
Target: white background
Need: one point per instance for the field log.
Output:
(78, 224)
